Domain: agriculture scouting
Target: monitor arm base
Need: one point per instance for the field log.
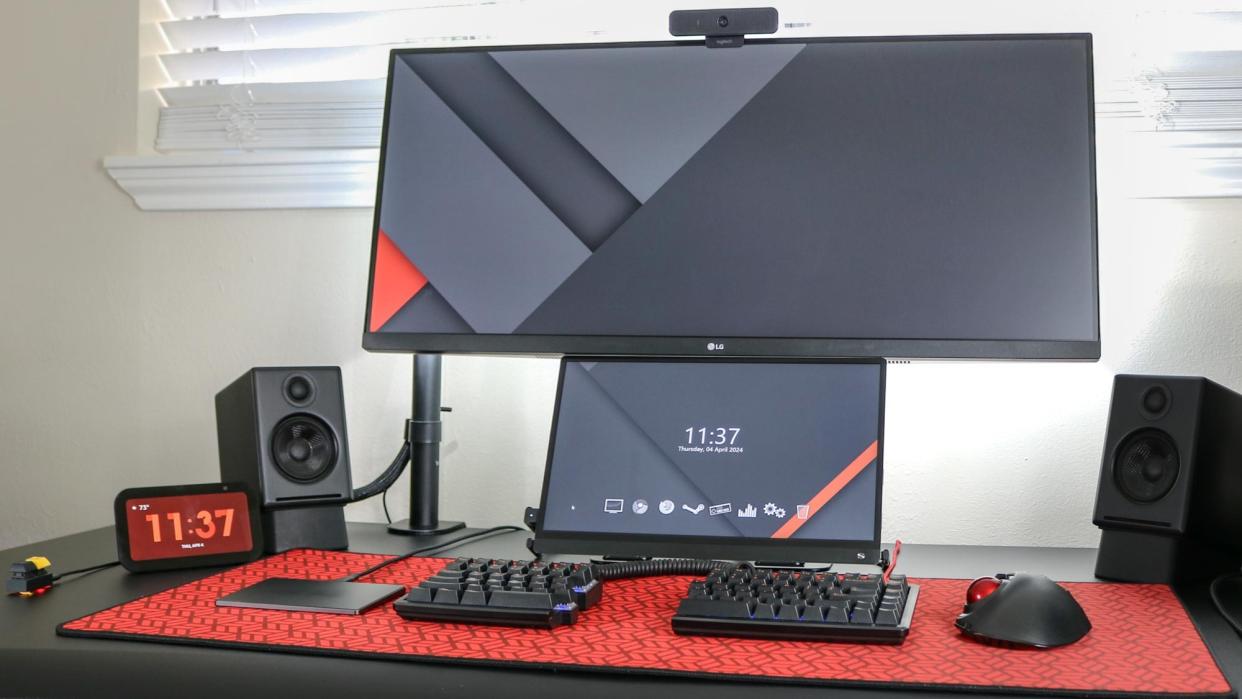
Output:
(402, 526)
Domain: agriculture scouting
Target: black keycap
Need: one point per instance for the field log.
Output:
(837, 615)
(446, 596)
(814, 613)
(788, 612)
(887, 617)
(523, 600)
(419, 594)
(722, 609)
(475, 597)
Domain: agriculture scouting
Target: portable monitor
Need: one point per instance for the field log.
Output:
(777, 460)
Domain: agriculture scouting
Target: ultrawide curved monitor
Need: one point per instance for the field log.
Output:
(895, 197)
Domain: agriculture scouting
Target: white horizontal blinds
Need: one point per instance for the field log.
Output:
(330, 29)
(257, 74)
(1184, 69)
(1200, 91)
(266, 93)
(308, 125)
(264, 74)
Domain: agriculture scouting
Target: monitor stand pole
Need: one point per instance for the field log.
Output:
(425, 454)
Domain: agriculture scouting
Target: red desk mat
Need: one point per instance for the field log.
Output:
(1142, 643)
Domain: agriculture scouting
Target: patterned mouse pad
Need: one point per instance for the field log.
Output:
(1142, 644)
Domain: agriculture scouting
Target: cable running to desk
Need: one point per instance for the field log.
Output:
(428, 549)
(88, 569)
(1220, 607)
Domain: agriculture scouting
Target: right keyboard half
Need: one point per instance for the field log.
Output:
(798, 605)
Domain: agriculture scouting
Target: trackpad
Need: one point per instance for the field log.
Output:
(330, 596)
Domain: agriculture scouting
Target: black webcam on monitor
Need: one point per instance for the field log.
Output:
(723, 28)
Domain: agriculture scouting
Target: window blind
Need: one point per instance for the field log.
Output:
(260, 74)
(289, 85)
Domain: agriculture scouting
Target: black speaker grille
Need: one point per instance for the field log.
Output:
(304, 448)
(1146, 465)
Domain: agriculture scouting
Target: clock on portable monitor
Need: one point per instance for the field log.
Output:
(187, 526)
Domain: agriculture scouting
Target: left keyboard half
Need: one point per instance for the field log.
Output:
(508, 593)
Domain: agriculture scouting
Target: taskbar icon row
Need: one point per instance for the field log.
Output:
(615, 506)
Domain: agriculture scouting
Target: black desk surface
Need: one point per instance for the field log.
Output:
(36, 662)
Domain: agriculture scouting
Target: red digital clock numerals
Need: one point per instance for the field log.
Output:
(180, 526)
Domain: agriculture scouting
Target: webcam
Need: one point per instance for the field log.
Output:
(723, 28)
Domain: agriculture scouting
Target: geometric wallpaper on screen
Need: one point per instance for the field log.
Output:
(619, 424)
(535, 135)
(922, 189)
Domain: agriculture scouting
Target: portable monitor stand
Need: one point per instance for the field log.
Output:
(424, 439)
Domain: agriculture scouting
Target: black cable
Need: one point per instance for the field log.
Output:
(90, 569)
(384, 499)
(664, 566)
(1220, 607)
(385, 479)
(428, 549)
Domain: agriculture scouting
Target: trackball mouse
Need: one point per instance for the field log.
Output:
(1022, 609)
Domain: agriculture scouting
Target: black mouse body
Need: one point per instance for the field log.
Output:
(1025, 610)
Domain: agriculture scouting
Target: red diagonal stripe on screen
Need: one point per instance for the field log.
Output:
(397, 280)
(830, 491)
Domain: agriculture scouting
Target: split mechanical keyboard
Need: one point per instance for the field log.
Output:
(732, 600)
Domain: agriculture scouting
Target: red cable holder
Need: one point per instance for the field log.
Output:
(892, 563)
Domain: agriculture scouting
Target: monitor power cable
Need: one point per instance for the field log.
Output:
(428, 549)
(1221, 607)
(386, 479)
(389, 476)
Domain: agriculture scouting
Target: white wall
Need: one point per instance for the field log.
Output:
(118, 326)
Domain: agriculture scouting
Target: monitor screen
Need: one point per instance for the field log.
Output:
(725, 458)
(900, 197)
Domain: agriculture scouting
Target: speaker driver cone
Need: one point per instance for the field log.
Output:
(299, 390)
(1146, 465)
(1155, 402)
(304, 448)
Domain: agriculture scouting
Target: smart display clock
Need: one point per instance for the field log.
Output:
(187, 526)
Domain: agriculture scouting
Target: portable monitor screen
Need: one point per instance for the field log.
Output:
(768, 460)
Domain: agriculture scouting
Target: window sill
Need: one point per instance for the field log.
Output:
(306, 179)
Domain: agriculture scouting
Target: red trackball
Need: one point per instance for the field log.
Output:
(980, 588)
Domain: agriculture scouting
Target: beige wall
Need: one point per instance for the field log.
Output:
(70, 296)
(118, 326)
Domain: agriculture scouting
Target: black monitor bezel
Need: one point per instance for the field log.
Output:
(731, 346)
(745, 549)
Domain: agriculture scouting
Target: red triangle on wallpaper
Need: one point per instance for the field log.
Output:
(397, 280)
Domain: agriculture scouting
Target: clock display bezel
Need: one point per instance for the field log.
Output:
(125, 541)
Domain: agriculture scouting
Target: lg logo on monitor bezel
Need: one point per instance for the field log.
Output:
(715, 347)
